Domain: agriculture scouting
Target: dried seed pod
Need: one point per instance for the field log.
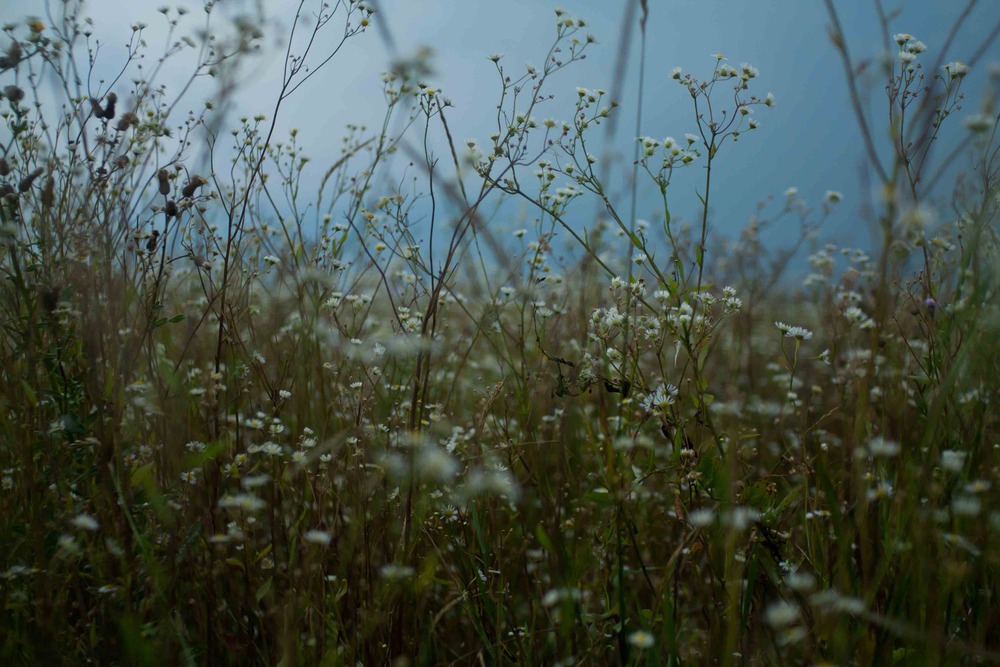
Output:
(164, 178)
(50, 298)
(13, 93)
(109, 109)
(127, 120)
(193, 185)
(121, 162)
(170, 208)
(153, 238)
(12, 58)
(95, 108)
(49, 192)
(28, 180)
(4, 166)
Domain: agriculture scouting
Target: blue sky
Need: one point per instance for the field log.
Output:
(809, 140)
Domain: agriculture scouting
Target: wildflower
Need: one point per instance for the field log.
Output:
(436, 464)
(801, 582)
(978, 123)
(879, 446)
(798, 333)
(700, 518)
(833, 197)
(953, 461)
(965, 505)
(242, 501)
(956, 70)
(641, 639)
(393, 571)
(782, 614)
(740, 517)
(320, 537)
(85, 522)
(978, 486)
(659, 400)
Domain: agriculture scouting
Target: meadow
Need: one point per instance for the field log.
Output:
(249, 421)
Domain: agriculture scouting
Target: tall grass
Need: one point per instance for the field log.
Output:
(246, 426)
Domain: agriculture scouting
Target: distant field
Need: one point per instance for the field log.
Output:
(244, 423)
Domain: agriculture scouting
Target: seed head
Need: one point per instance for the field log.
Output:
(164, 178)
(109, 109)
(193, 185)
(126, 121)
(48, 192)
(28, 180)
(12, 58)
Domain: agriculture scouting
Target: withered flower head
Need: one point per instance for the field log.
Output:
(153, 238)
(126, 121)
(28, 180)
(49, 192)
(164, 178)
(13, 93)
(193, 185)
(109, 109)
(50, 298)
(12, 58)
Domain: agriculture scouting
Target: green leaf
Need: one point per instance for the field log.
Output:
(543, 539)
(29, 393)
(603, 499)
(264, 589)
